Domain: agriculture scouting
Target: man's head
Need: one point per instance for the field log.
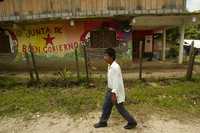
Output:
(109, 55)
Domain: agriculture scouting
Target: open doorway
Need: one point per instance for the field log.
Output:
(4, 42)
(146, 36)
(8, 45)
(103, 39)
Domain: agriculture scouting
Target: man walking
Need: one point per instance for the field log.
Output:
(115, 94)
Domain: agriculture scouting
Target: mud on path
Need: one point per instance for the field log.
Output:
(56, 123)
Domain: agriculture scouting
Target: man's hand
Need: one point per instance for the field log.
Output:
(114, 98)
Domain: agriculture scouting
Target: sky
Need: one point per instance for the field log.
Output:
(193, 5)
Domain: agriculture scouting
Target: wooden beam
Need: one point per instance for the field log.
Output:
(141, 59)
(77, 65)
(191, 62)
(164, 45)
(29, 67)
(182, 36)
(34, 63)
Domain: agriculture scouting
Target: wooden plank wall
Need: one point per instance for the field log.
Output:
(91, 7)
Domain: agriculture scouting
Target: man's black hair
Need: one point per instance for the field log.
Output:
(111, 52)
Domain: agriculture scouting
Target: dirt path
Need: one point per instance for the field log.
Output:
(63, 124)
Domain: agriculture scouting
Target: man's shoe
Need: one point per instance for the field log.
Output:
(99, 125)
(130, 126)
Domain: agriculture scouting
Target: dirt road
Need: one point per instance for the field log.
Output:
(63, 124)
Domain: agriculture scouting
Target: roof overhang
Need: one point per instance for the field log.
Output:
(155, 21)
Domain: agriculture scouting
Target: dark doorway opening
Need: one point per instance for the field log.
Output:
(103, 39)
(4, 43)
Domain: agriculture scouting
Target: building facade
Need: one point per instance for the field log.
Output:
(54, 28)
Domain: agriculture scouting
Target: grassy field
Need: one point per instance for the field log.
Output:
(197, 59)
(171, 95)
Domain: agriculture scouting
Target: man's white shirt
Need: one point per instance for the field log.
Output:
(115, 81)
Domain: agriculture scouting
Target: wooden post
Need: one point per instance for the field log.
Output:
(77, 65)
(164, 45)
(29, 66)
(141, 59)
(191, 62)
(86, 63)
(34, 64)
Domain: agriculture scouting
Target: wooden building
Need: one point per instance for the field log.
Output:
(56, 27)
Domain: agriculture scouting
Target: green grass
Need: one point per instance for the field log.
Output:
(7, 82)
(172, 95)
(197, 59)
(179, 95)
(22, 101)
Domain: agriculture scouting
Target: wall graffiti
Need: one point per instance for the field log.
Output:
(58, 38)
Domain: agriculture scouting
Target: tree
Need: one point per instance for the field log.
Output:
(192, 32)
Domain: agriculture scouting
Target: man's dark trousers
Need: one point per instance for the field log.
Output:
(107, 109)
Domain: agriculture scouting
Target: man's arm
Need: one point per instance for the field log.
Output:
(115, 84)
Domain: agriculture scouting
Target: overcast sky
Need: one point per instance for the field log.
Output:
(193, 5)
